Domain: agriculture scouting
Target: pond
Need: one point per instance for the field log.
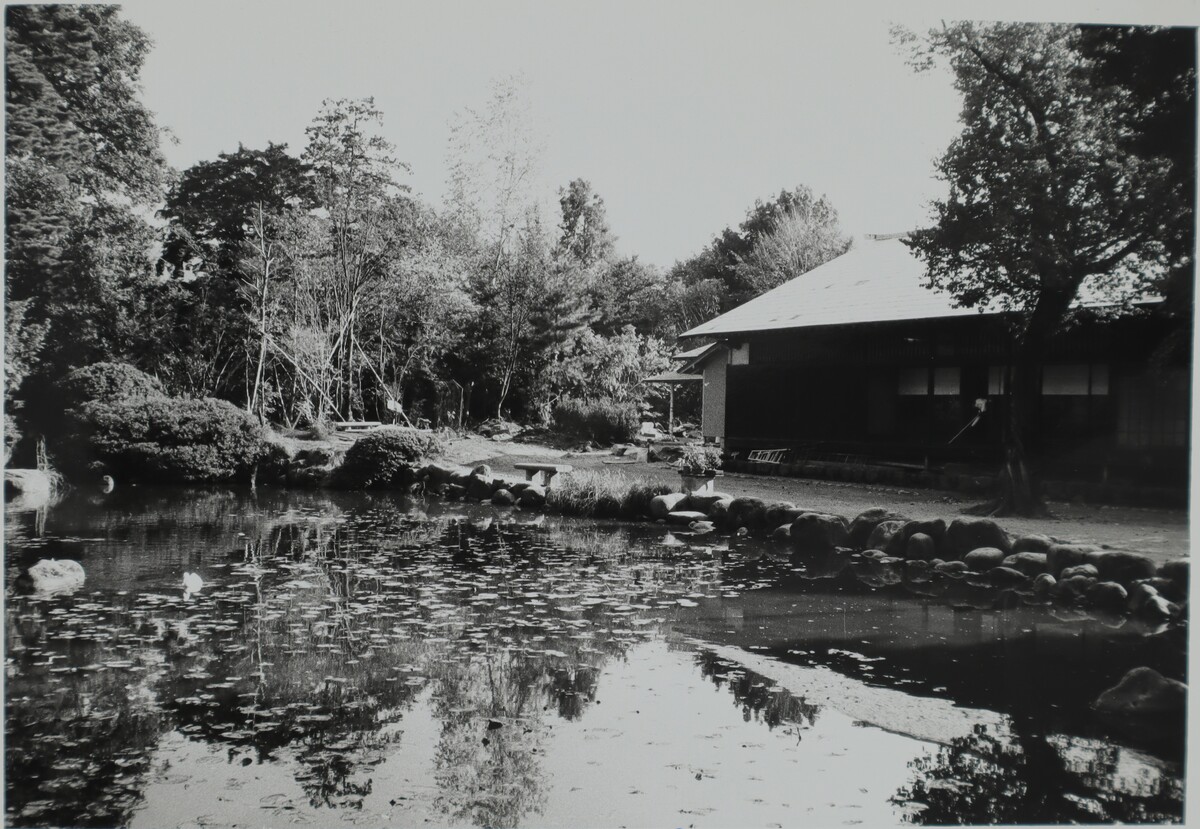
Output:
(355, 659)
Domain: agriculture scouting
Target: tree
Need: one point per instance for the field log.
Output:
(585, 233)
(367, 221)
(82, 166)
(1053, 187)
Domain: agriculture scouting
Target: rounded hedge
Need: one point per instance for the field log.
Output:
(108, 382)
(163, 439)
(377, 459)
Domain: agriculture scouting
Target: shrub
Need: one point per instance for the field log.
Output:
(696, 460)
(601, 494)
(108, 382)
(604, 421)
(164, 439)
(376, 458)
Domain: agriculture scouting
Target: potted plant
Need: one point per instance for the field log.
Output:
(698, 467)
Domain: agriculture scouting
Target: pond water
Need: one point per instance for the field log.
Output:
(358, 659)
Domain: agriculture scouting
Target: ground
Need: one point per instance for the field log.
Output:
(1160, 533)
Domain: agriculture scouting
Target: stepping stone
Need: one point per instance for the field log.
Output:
(685, 516)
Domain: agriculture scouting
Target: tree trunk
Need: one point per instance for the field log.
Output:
(1020, 482)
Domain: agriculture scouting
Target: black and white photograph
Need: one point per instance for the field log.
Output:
(626, 414)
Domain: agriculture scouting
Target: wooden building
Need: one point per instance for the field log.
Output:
(857, 359)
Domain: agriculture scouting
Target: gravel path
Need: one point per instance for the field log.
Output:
(1160, 533)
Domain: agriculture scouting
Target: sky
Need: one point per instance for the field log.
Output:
(680, 114)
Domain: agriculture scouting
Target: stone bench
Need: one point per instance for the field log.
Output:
(542, 473)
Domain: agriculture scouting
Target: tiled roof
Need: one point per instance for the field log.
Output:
(689, 354)
(877, 280)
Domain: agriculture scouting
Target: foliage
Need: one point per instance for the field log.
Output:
(586, 236)
(376, 459)
(779, 239)
(699, 459)
(1055, 194)
(164, 439)
(603, 421)
(82, 159)
(601, 494)
(107, 383)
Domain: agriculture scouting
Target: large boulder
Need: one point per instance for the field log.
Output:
(781, 512)
(1006, 576)
(437, 475)
(1080, 570)
(920, 547)
(684, 517)
(1107, 595)
(864, 524)
(532, 497)
(1177, 572)
(51, 575)
(1033, 544)
(718, 513)
(1061, 556)
(702, 501)
(815, 532)
(503, 498)
(898, 543)
(1073, 587)
(951, 568)
(883, 533)
(967, 534)
(1122, 566)
(479, 488)
(1031, 564)
(662, 505)
(1143, 691)
(748, 513)
(1044, 585)
(984, 558)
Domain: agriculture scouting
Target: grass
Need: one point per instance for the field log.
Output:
(601, 494)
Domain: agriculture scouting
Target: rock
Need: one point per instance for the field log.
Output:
(483, 471)
(685, 516)
(874, 555)
(51, 575)
(1044, 584)
(1080, 570)
(967, 534)
(1158, 609)
(453, 492)
(882, 535)
(777, 513)
(503, 498)
(718, 512)
(27, 488)
(1121, 566)
(920, 546)
(1061, 556)
(1143, 691)
(533, 497)
(864, 524)
(782, 533)
(703, 501)
(517, 487)
(1031, 564)
(1139, 594)
(701, 527)
(747, 512)
(479, 488)
(1006, 575)
(815, 532)
(891, 561)
(1074, 587)
(1177, 572)
(951, 568)
(662, 505)
(898, 543)
(1107, 595)
(983, 559)
(1033, 544)
(742, 532)
(438, 475)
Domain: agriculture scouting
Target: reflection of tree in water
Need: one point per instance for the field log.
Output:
(759, 697)
(987, 778)
(78, 742)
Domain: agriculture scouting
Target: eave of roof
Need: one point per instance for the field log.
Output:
(877, 280)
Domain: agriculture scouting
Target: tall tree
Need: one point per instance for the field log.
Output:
(1053, 187)
(586, 236)
(82, 168)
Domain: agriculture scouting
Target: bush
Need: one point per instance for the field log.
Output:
(603, 421)
(164, 439)
(601, 494)
(697, 460)
(376, 458)
(108, 382)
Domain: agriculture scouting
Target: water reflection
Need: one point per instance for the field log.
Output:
(379, 654)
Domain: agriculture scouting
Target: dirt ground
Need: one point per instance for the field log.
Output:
(1161, 533)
